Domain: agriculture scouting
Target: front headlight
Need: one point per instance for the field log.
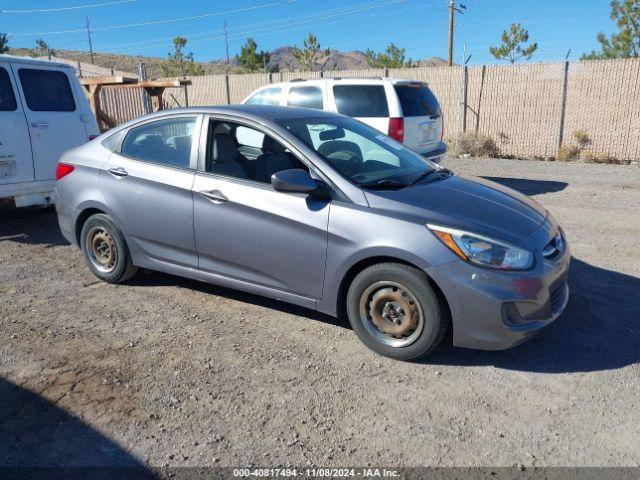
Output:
(483, 251)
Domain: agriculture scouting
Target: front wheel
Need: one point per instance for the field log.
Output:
(105, 250)
(395, 312)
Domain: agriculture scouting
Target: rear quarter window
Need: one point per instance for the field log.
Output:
(361, 100)
(46, 90)
(309, 97)
(7, 97)
(268, 96)
(417, 101)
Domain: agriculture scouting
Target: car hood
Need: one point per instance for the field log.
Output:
(467, 203)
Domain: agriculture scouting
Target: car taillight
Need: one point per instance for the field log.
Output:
(63, 169)
(396, 129)
(441, 127)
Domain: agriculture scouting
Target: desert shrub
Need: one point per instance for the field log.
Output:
(600, 157)
(473, 144)
(582, 139)
(567, 153)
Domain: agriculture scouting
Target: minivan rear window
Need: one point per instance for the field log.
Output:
(7, 97)
(361, 100)
(46, 90)
(417, 101)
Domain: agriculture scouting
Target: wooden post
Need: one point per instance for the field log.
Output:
(226, 89)
(563, 104)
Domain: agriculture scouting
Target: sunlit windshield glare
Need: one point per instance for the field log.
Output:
(362, 154)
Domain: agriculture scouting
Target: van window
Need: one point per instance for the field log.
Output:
(417, 101)
(46, 90)
(309, 97)
(7, 97)
(167, 142)
(361, 100)
(268, 96)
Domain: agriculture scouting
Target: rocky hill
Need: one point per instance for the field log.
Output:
(281, 58)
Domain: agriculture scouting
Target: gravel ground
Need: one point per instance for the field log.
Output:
(165, 371)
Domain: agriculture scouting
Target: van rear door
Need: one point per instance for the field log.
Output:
(422, 116)
(56, 123)
(16, 162)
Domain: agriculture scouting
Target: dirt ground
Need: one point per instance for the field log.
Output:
(165, 371)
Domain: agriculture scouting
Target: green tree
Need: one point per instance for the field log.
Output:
(311, 55)
(179, 62)
(4, 41)
(512, 48)
(251, 59)
(42, 50)
(625, 43)
(394, 57)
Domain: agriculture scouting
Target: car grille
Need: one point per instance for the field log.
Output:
(557, 297)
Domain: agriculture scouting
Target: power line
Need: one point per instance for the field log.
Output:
(64, 9)
(158, 22)
(289, 25)
(283, 22)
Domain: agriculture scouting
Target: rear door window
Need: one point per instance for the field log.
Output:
(268, 96)
(361, 100)
(417, 101)
(309, 97)
(166, 142)
(7, 97)
(46, 90)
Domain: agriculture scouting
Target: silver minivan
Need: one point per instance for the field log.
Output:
(405, 110)
(326, 213)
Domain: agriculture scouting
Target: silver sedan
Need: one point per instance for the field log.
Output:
(319, 210)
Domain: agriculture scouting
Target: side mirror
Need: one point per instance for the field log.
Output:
(294, 180)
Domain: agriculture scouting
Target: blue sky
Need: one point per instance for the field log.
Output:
(145, 27)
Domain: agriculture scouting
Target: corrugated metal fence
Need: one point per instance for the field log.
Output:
(518, 106)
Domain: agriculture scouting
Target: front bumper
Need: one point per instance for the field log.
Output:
(494, 310)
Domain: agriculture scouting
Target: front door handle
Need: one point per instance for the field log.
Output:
(216, 196)
(118, 172)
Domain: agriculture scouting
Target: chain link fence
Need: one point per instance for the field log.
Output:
(529, 110)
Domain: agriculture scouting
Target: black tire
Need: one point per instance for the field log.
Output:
(406, 287)
(100, 234)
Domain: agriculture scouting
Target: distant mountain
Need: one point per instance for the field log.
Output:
(280, 57)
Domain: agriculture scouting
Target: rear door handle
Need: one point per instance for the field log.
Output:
(39, 124)
(118, 172)
(216, 196)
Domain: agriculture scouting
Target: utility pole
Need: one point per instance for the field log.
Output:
(452, 10)
(90, 43)
(226, 43)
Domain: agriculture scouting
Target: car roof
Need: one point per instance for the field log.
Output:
(31, 61)
(350, 80)
(266, 112)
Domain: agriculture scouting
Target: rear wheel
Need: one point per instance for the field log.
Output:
(105, 250)
(395, 312)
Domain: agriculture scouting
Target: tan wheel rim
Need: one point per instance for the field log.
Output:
(391, 313)
(102, 250)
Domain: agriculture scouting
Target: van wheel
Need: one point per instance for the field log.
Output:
(395, 312)
(105, 250)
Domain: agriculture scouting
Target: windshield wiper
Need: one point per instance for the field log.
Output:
(442, 172)
(384, 184)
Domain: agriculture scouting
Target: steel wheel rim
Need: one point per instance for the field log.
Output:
(391, 314)
(102, 250)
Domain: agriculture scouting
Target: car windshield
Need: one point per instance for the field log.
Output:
(362, 154)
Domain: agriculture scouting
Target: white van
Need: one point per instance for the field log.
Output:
(405, 110)
(43, 113)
